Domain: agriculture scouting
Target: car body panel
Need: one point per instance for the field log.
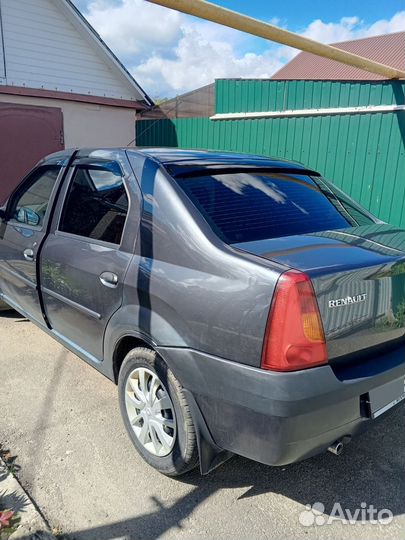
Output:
(19, 276)
(77, 304)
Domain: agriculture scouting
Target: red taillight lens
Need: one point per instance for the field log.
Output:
(294, 334)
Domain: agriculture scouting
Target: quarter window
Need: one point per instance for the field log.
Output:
(96, 203)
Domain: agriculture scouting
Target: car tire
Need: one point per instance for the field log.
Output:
(165, 438)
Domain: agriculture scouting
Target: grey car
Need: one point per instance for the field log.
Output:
(242, 304)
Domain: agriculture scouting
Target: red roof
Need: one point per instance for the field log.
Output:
(388, 49)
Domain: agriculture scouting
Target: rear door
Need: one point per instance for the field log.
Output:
(86, 255)
(21, 235)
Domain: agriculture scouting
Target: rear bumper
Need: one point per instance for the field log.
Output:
(280, 418)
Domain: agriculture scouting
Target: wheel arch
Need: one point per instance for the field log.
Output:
(125, 344)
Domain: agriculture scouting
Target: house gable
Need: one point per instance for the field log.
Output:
(49, 46)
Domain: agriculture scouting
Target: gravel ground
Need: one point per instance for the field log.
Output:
(61, 418)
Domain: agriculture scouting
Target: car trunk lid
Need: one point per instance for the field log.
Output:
(358, 274)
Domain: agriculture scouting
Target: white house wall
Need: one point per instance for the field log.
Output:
(47, 47)
(86, 124)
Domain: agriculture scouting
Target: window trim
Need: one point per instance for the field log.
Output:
(12, 203)
(79, 237)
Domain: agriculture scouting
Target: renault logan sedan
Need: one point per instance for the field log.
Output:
(243, 305)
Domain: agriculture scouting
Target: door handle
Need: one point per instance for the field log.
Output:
(109, 279)
(29, 255)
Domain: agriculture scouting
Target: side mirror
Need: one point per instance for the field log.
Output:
(27, 216)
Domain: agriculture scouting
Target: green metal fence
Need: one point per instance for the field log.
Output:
(267, 95)
(362, 153)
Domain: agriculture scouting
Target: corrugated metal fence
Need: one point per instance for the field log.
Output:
(362, 153)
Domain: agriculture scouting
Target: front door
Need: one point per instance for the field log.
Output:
(21, 235)
(83, 263)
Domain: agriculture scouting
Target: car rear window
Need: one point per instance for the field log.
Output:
(244, 207)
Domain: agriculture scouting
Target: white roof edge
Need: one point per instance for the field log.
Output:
(77, 17)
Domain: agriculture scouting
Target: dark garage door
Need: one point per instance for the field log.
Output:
(26, 135)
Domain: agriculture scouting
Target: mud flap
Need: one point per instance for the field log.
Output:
(211, 456)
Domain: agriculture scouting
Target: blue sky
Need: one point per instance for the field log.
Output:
(297, 14)
(170, 53)
(300, 12)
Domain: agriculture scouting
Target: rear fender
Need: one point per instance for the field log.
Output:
(139, 322)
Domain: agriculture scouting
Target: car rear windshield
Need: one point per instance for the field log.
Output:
(244, 207)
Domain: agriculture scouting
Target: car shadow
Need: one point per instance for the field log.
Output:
(12, 314)
(370, 471)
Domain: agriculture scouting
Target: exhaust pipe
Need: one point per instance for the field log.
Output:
(336, 448)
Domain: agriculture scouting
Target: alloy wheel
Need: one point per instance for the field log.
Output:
(150, 411)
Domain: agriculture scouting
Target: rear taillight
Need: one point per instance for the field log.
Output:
(294, 334)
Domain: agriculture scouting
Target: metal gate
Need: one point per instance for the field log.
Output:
(27, 134)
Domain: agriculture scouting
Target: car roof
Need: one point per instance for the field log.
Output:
(181, 162)
(179, 155)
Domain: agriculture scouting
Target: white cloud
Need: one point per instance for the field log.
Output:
(353, 28)
(135, 28)
(332, 32)
(198, 61)
(170, 53)
(384, 26)
(348, 28)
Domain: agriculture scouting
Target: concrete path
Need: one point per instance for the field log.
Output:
(61, 418)
(31, 525)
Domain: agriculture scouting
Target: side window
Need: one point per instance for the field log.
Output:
(96, 204)
(31, 202)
